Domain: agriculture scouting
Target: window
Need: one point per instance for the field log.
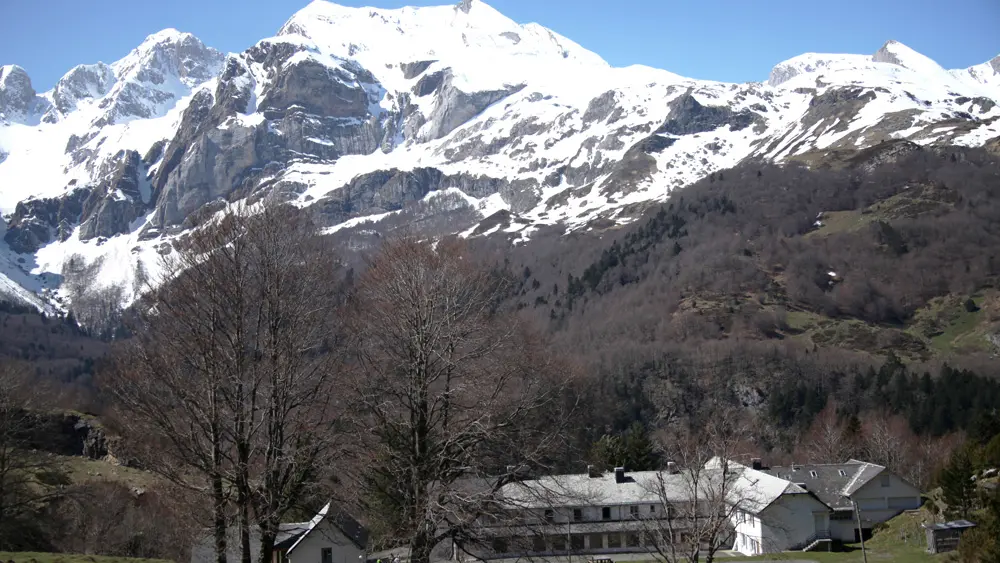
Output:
(596, 541)
(550, 515)
(577, 514)
(326, 555)
(813, 474)
(606, 513)
(884, 480)
(652, 509)
(500, 545)
(633, 511)
(614, 540)
(538, 544)
(576, 542)
(632, 540)
(842, 472)
(559, 543)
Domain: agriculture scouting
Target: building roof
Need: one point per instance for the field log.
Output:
(953, 525)
(752, 490)
(349, 526)
(832, 483)
(289, 533)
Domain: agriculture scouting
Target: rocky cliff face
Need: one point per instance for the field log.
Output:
(453, 118)
(84, 82)
(37, 222)
(69, 434)
(17, 97)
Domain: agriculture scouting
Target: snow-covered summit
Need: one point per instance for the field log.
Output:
(454, 118)
(471, 35)
(893, 63)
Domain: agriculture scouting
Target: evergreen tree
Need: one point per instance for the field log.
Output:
(957, 485)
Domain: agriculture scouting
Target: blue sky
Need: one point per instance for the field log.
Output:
(732, 40)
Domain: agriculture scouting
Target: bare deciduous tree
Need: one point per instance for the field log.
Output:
(451, 397)
(701, 492)
(231, 380)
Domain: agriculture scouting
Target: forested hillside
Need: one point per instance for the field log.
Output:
(866, 280)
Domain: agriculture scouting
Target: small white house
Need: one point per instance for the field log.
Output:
(774, 515)
(855, 486)
(329, 537)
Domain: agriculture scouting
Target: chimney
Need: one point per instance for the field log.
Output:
(593, 472)
(619, 475)
(756, 463)
(671, 468)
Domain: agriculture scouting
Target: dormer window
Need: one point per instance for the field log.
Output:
(842, 472)
(813, 473)
(884, 480)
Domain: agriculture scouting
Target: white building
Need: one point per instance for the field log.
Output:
(329, 537)
(768, 510)
(878, 493)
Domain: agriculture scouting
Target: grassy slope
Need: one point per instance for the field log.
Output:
(30, 557)
(83, 470)
(940, 329)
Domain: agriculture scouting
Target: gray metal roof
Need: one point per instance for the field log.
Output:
(832, 483)
(953, 525)
(751, 489)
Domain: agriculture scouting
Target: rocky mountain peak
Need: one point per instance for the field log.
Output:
(83, 82)
(995, 63)
(16, 93)
(170, 52)
(894, 52)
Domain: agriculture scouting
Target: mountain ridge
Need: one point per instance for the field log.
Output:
(329, 116)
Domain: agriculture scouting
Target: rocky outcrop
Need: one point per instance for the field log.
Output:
(37, 222)
(415, 69)
(320, 90)
(600, 108)
(883, 153)
(688, 116)
(636, 166)
(70, 434)
(17, 97)
(121, 198)
(453, 107)
(392, 190)
(82, 83)
(887, 54)
(308, 109)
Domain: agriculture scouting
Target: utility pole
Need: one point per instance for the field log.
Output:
(861, 532)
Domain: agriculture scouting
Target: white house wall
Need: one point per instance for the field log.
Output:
(749, 529)
(879, 503)
(843, 530)
(790, 521)
(310, 549)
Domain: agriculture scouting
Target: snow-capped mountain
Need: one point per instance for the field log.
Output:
(449, 119)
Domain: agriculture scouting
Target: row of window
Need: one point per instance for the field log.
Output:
(634, 511)
(574, 542)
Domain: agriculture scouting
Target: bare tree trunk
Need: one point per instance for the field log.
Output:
(219, 515)
(446, 391)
